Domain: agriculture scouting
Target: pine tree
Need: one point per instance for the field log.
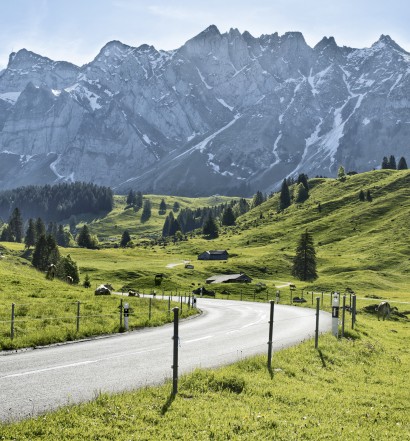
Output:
(284, 197)
(40, 254)
(67, 267)
(210, 228)
(341, 174)
(385, 163)
(301, 193)
(53, 251)
(45, 252)
(6, 235)
(402, 165)
(146, 211)
(62, 237)
(30, 238)
(84, 238)
(167, 223)
(361, 196)
(138, 201)
(87, 282)
(392, 162)
(40, 228)
(368, 196)
(125, 239)
(228, 218)
(176, 207)
(16, 225)
(303, 179)
(174, 226)
(131, 198)
(304, 262)
(257, 199)
(162, 207)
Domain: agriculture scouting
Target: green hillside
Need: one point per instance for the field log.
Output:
(363, 245)
(360, 245)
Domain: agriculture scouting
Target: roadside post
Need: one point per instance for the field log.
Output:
(12, 321)
(126, 313)
(335, 314)
(175, 355)
(277, 296)
(272, 312)
(343, 315)
(317, 322)
(78, 316)
(353, 310)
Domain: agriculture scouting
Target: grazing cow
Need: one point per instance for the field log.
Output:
(384, 310)
(102, 290)
(51, 271)
(70, 280)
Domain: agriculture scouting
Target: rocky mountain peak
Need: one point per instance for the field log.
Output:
(24, 57)
(385, 41)
(326, 43)
(225, 113)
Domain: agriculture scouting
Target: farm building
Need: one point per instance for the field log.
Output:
(229, 278)
(214, 255)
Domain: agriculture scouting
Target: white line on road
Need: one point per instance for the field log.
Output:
(199, 339)
(80, 363)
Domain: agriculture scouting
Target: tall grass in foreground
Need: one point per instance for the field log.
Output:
(351, 389)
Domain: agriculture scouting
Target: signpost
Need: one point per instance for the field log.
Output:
(126, 313)
(335, 314)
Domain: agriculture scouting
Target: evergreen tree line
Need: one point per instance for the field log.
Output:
(205, 217)
(390, 163)
(56, 202)
(46, 257)
(13, 231)
(300, 194)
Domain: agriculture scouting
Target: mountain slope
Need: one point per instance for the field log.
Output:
(225, 113)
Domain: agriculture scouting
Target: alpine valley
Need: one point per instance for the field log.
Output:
(225, 113)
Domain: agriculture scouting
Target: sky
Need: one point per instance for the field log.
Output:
(75, 30)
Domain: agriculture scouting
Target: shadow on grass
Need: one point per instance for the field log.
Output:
(168, 403)
(322, 358)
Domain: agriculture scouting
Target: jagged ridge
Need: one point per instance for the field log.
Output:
(225, 113)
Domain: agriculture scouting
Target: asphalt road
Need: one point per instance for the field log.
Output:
(39, 380)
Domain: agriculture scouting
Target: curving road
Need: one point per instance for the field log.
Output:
(35, 381)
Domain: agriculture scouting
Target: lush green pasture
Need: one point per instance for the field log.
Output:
(351, 389)
(360, 245)
(110, 228)
(46, 311)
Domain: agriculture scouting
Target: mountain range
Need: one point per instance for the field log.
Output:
(225, 113)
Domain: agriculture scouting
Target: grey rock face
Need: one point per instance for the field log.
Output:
(225, 113)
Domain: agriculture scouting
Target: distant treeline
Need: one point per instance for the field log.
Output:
(56, 202)
(189, 220)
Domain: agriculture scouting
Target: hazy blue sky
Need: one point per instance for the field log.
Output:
(75, 30)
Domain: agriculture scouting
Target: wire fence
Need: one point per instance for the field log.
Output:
(28, 321)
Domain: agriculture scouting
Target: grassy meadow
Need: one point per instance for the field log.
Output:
(354, 388)
(350, 389)
(360, 245)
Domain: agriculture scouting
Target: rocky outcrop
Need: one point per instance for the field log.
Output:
(225, 113)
